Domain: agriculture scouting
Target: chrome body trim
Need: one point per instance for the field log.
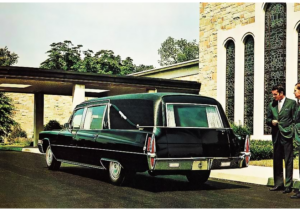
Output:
(110, 160)
(226, 128)
(81, 164)
(138, 153)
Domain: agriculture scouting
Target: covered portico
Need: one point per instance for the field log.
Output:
(80, 85)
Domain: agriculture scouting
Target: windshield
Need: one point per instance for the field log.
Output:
(193, 115)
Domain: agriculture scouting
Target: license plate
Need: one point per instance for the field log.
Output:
(224, 164)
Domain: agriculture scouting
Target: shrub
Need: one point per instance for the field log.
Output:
(261, 149)
(240, 130)
(53, 125)
(23, 141)
(16, 132)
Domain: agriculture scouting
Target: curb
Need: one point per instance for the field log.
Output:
(21, 149)
(11, 149)
(296, 183)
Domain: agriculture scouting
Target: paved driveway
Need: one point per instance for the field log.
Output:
(25, 182)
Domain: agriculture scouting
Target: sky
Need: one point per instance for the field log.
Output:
(133, 30)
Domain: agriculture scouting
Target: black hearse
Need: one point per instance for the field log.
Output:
(162, 133)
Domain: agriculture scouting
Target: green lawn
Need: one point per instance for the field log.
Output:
(269, 163)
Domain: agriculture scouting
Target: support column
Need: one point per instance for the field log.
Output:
(152, 90)
(38, 116)
(78, 95)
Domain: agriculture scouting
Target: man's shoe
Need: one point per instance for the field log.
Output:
(277, 188)
(287, 190)
(296, 196)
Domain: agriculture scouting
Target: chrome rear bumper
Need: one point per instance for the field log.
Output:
(196, 164)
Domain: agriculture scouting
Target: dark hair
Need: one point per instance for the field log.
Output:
(279, 88)
(298, 85)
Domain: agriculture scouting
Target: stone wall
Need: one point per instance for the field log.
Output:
(214, 17)
(55, 108)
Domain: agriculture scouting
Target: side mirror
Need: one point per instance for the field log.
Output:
(67, 125)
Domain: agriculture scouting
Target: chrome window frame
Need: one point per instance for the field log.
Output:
(104, 112)
(72, 116)
(198, 104)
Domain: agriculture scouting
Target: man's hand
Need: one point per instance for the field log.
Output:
(274, 122)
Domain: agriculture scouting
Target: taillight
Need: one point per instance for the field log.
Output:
(151, 149)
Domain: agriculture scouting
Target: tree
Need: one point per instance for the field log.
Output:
(62, 56)
(142, 67)
(7, 58)
(6, 113)
(173, 51)
(6, 106)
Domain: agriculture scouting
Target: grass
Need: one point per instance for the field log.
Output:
(269, 163)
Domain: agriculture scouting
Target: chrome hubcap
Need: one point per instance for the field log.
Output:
(49, 157)
(115, 170)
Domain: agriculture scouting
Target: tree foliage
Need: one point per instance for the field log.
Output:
(174, 51)
(6, 113)
(65, 57)
(142, 67)
(62, 56)
(7, 58)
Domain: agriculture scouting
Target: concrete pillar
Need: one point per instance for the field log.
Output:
(78, 95)
(152, 90)
(38, 116)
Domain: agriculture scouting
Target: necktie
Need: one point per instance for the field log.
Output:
(279, 105)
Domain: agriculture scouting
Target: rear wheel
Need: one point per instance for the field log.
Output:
(118, 175)
(52, 163)
(198, 177)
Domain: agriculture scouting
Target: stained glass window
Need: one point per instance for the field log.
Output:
(249, 83)
(275, 52)
(298, 54)
(230, 69)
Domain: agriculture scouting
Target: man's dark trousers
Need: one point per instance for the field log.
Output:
(283, 148)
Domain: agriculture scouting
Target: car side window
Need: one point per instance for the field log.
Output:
(76, 120)
(94, 118)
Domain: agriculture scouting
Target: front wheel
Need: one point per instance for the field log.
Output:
(198, 177)
(52, 163)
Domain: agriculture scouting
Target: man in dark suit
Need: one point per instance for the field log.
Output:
(297, 128)
(280, 118)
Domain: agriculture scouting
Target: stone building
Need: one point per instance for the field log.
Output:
(245, 49)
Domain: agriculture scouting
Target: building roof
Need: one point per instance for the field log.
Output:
(60, 82)
(166, 68)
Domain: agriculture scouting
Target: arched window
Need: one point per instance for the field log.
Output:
(249, 83)
(230, 69)
(298, 30)
(275, 51)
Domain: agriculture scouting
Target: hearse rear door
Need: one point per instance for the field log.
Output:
(196, 130)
